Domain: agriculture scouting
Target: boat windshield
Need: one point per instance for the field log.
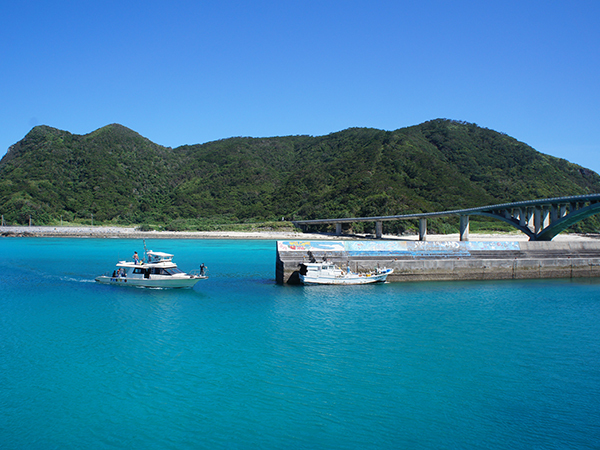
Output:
(157, 271)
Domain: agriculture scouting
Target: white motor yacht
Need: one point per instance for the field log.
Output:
(158, 271)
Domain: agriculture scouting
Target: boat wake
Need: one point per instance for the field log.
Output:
(77, 280)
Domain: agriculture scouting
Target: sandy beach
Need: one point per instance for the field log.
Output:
(133, 233)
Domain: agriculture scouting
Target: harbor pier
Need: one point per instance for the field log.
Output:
(446, 260)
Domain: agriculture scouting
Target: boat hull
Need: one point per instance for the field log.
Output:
(172, 283)
(345, 280)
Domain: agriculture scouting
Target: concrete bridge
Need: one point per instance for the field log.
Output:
(541, 220)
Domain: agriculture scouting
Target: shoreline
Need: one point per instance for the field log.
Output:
(132, 233)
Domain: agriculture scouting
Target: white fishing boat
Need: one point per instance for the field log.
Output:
(329, 273)
(157, 271)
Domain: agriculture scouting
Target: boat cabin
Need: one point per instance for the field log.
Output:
(147, 271)
(314, 269)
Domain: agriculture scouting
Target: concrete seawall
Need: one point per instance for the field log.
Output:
(428, 261)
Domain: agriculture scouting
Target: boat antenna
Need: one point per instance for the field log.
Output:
(145, 250)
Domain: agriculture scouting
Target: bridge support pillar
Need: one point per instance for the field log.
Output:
(378, 229)
(530, 214)
(563, 211)
(522, 217)
(545, 217)
(422, 229)
(464, 228)
(338, 229)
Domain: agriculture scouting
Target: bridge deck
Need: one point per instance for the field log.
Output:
(539, 219)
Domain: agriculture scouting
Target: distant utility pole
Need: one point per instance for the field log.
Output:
(2, 220)
(30, 220)
(92, 220)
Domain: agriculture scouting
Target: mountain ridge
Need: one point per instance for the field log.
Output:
(120, 176)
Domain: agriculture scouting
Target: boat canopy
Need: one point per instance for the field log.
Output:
(160, 256)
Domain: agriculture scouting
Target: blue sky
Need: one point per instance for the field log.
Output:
(189, 72)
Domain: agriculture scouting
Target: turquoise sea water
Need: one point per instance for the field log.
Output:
(242, 363)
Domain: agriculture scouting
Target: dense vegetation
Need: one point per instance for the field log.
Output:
(117, 176)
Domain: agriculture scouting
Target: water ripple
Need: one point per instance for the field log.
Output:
(238, 363)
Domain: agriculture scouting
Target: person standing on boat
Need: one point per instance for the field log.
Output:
(202, 268)
(136, 258)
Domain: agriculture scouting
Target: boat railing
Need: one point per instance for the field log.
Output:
(197, 273)
(110, 274)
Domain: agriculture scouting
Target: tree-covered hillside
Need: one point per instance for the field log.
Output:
(121, 177)
(110, 173)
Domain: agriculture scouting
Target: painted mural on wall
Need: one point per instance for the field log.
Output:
(397, 248)
(313, 246)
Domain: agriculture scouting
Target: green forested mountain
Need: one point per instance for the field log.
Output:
(121, 177)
